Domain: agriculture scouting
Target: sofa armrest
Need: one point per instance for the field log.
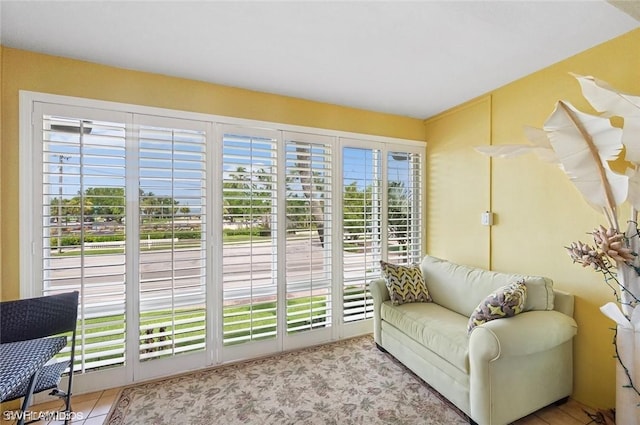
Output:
(380, 294)
(533, 347)
(379, 291)
(563, 302)
(524, 334)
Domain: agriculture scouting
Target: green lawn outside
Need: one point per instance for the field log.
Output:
(108, 331)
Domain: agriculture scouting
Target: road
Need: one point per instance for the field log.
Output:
(184, 270)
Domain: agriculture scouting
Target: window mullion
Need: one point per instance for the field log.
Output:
(213, 232)
(281, 240)
(337, 254)
(132, 244)
(383, 205)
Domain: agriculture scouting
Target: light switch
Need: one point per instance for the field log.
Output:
(487, 218)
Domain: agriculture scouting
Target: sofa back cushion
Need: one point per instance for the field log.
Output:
(461, 288)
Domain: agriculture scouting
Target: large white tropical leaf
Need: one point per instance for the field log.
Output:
(540, 145)
(606, 99)
(584, 143)
(540, 139)
(505, 151)
(610, 102)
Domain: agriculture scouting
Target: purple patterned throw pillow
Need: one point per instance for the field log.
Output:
(506, 301)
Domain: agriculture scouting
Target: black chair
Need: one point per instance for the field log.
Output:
(41, 317)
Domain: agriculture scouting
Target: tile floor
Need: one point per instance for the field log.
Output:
(95, 407)
(91, 408)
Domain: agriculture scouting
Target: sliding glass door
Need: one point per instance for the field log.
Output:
(277, 239)
(309, 237)
(381, 216)
(250, 313)
(362, 218)
(81, 223)
(124, 222)
(171, 244)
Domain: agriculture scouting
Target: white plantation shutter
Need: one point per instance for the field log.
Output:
(362, 215)
(83, 207)
(249, 265)
(177, 271)
(172, 222)
(404, 207)
(308, 176)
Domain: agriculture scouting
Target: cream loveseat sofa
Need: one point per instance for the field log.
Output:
(503, 369)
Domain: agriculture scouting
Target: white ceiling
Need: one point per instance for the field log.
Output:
(408, 58)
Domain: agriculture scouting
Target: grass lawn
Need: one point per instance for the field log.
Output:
(241, 323)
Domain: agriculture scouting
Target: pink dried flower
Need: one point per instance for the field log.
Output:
(586, 255)
(613, 244)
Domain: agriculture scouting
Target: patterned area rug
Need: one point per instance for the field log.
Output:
(342, 383)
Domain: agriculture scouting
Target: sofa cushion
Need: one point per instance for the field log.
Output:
(440, 330)
(505, 302)
(461, 288)
(405, 283)
(540, 294)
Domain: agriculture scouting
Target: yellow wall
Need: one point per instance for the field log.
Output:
(22, 70)
(457, 184)
(538, 211)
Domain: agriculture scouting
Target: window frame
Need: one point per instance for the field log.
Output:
(30, 194)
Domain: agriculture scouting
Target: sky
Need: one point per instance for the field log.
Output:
(172, 162)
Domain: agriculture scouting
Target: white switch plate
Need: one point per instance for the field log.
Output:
(487, 218)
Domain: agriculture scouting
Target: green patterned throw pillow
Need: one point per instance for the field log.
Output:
(405, 283)
(506, 301)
